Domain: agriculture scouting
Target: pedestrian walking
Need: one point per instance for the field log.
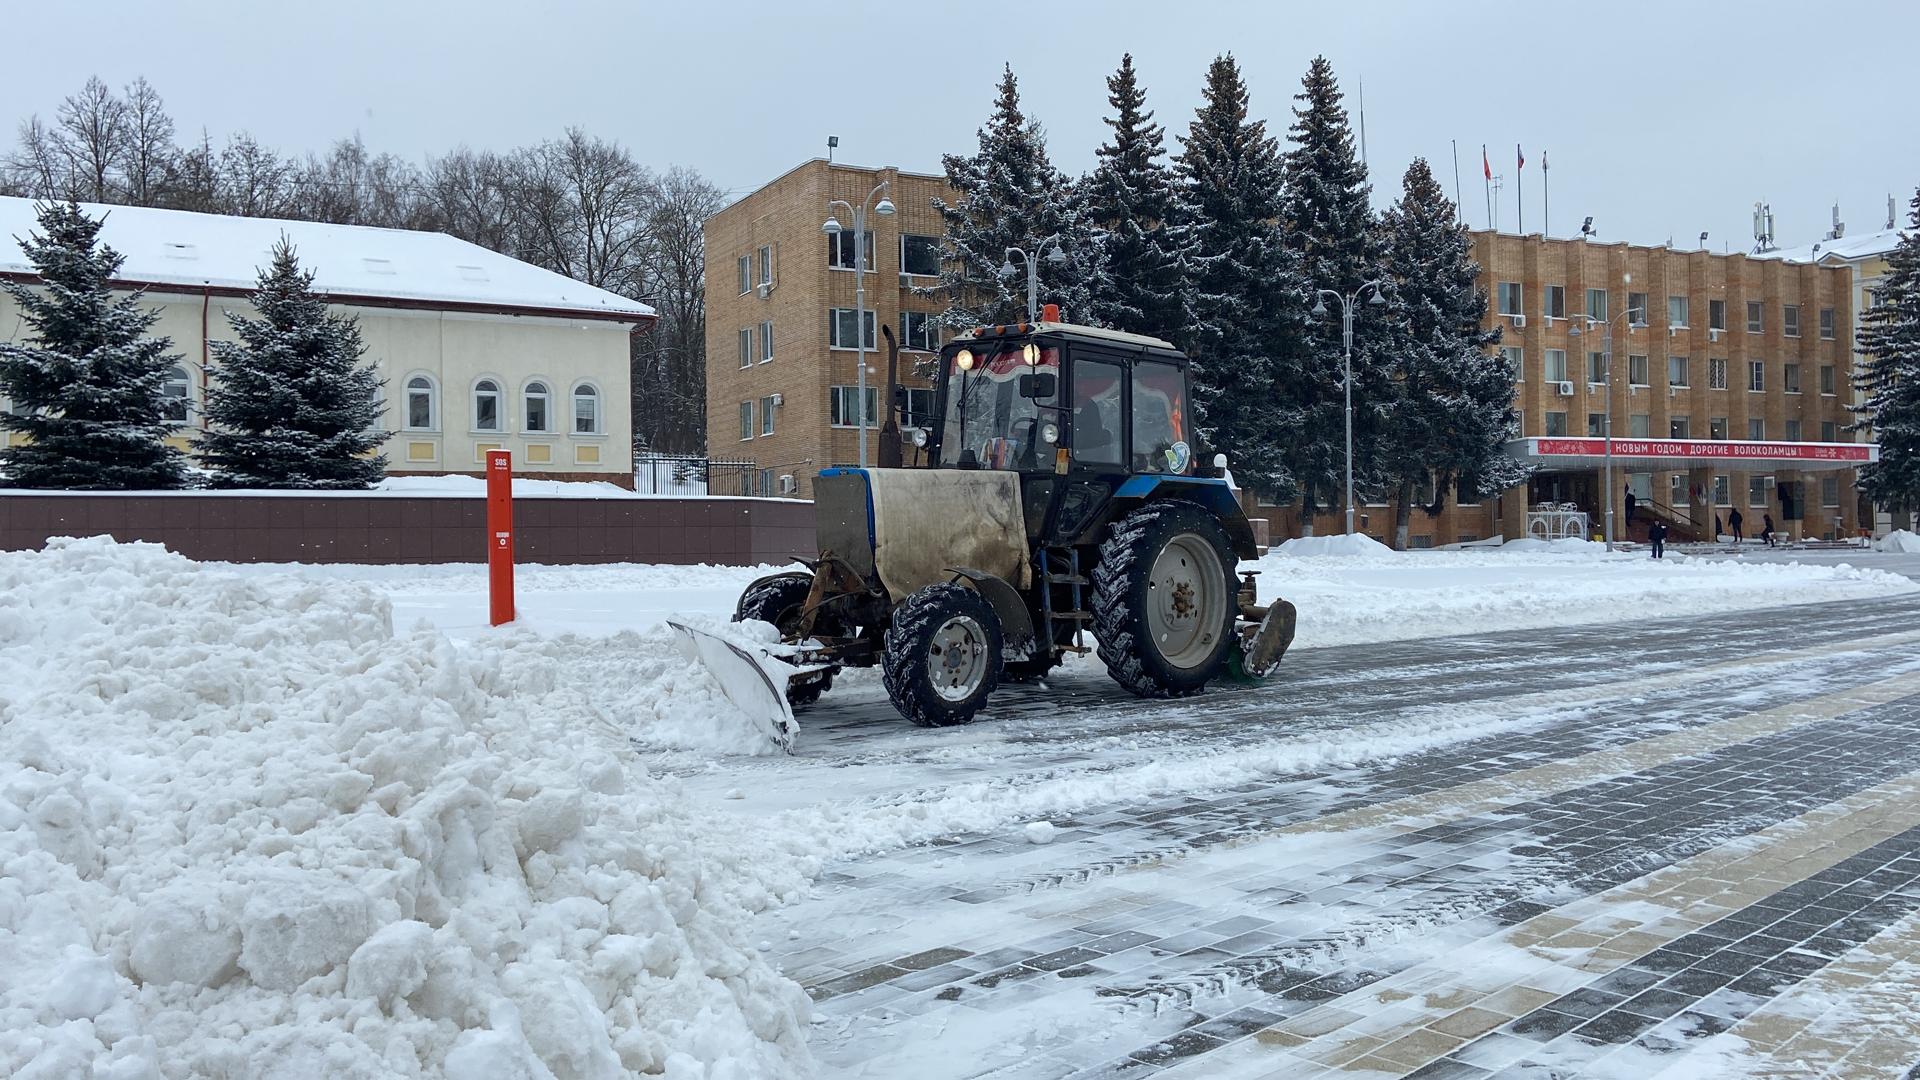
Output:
(1766, 529)
(1734, 522)
(1657, 536)
(1718, 528)
(1631, 503)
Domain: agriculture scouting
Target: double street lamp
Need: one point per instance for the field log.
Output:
(1347, 302)
(1007, 270)
(1606, 372)
(832, 228)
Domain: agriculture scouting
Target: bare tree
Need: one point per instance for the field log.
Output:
(580, 207)
(466, 193)
(254, 181)
(669, 361)
(193, 180)
(36, 169)
(90, 131)
(147, 151)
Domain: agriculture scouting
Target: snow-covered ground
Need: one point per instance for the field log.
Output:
(297, 821)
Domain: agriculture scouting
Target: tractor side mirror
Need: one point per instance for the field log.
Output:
(1041, 384)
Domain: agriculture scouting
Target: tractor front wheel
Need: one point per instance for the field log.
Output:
(1163, 599)
(782, 601)
(943, 655)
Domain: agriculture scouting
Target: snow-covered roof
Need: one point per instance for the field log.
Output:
(392, 266)
(1847, 248)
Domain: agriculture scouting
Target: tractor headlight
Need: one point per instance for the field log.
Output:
(919, 436)
(1031, 354)
(963, 359)
(1050, 433)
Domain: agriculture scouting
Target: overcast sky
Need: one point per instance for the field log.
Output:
(1662, 120)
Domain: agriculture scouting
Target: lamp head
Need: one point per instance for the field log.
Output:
(1319, 307)
(1056, 256)
(1007, 269)
(1378, 299)
(885, 209)
(832, 226)
(1573, 328)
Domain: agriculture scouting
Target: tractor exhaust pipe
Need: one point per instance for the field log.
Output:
(890, 431)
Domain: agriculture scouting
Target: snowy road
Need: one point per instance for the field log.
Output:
(1396, 854)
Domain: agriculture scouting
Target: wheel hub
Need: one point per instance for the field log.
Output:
(957, 658)
(1186, 602)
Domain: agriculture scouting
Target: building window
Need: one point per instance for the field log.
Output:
(422, 409)
(746, 420)
(746, 348)
(1757, 487)
(919, 255)
(1826, 379)
(1677, 371)
(1722, 491)
(1677, 311)
(1790, 378)
(1756, 317)
(1827, 324)
(844, 401)
(1637, 312)
(1556, 297)
(1556, 423)
(175, 395)
(1830, 491)
(766, 341)
(766, 415)
(1790, 320)
(486, 405)
(1679, 427)
(1596, 367)
(1717, 428)
(766, 264)
(1829, 431)
(1756, 429)
(919, 331)
(1509, 292)
(840, 328)
(534, 403)
(1639, 426)
(586, 410)
(1597, 305)
(1637, 371)
(840, 250)
(919, 406)
(1793, 431)
(1596, 424)
(1716, 314)
(1516, 359)
(1756, 376)
(1556, 365)
(746, 274)
(1716, 374)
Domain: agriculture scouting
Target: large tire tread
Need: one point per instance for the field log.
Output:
(903, 662)
(1119, 627)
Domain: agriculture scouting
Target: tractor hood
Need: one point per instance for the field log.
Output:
(910, 527)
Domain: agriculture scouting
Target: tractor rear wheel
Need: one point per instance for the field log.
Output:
(1164, 598)
(782, 601)
(942, 657)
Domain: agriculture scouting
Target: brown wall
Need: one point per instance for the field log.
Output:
(387, 529)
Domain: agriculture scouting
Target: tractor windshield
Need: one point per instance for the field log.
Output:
(987, 413)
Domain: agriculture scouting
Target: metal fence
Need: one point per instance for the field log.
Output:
(688, 474)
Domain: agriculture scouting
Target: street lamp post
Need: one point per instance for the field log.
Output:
(1056, 256)
(1347, 301)
(832, 228)
(1606, 370)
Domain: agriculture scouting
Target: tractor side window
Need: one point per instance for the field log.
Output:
(1097, 415)
(1160, 442)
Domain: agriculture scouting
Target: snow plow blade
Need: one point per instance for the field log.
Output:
(1260, 651)
(755, 684)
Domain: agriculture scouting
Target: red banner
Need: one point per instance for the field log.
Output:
(1681, 448)
(500, 535)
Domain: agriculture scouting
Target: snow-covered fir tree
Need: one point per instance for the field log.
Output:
(1451, 407)
(85, 381)
(1890, 377)
(1010, 195)
(1247, 316)
(1329, 224)
(289, 404)
(1129, 195)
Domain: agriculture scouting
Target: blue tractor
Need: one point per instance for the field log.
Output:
(1052, 495)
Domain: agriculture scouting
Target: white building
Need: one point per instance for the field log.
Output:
(479, 351)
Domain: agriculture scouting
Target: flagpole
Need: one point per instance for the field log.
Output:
(1546, 207)
(1458, 210)
(1486, 181)
(1520, 189)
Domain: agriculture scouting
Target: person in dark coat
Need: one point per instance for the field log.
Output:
(1717, 528)
(1657, 536)
(1766, 529)
(1631, 503)
(1734, 522)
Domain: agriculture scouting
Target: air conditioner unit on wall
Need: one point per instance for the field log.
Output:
(1518, 320)
(1566, 389)
(788, 485)
(906, 281)
(766, 289)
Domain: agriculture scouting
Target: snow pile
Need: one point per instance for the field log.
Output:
(1566, 545)
(1900, 540)
(1337, 544)
(246, 830)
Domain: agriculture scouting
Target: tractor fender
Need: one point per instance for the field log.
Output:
(1016, 622)
(1211, 493)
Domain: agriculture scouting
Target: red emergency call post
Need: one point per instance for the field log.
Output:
(500, 535)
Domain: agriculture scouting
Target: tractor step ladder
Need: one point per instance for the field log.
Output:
(1061, 566)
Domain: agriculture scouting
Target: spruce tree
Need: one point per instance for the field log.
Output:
(86, 381)
(1890, 377)
(1129, 195)
(1451, 409)
(1329, 224)
(290, 405)
(1010, 195)
(1247, 316)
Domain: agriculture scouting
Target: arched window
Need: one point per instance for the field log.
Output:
(538, 407)
(586, 410)
(486, 405)
(175, 396)
(422, 410)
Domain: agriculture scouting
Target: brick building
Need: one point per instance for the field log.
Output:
(782, 368)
